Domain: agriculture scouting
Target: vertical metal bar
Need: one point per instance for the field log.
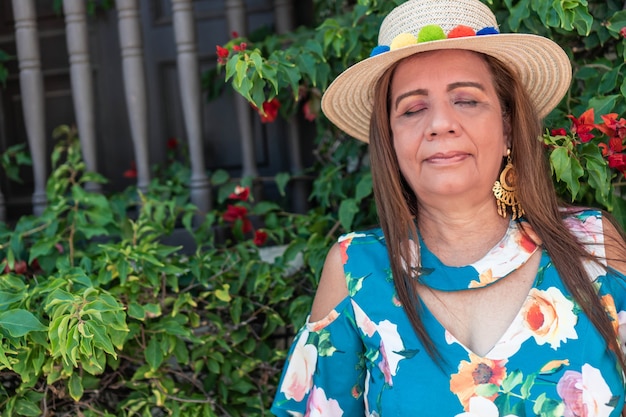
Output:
(189, 84)
(82, 81)
(31, 86)
(133, 69)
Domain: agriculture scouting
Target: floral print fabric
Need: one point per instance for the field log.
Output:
(364, 359)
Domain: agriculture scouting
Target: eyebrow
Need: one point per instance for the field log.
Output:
(453, 86)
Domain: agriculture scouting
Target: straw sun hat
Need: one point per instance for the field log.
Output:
(427, 25)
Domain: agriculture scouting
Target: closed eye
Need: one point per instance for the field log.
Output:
(467, 103)
(412, 112)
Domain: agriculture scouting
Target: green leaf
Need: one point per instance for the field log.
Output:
(257, 59)
(364, 186)
(219, 177)
(27, 408)
(616, 23)
(282, 178)
(136, 311)
(567, 169)
(347, 210)
(518, 13)
(101, 338)
(8, 298)
(223, 293)
(296, 247)
(264, 207)
(603, 105)
(608, 82)
(153, 354)
(75, 385)
(235, 310)
(20, 322)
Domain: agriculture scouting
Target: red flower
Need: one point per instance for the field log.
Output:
(241, 47)
(583, 125)
(270, 110)
(172, 143)
(240, 193)
(612, 127)
(222, 54)
(234, 213)
(234, 34)
(20, 267)
(613, 154)
(309, 113)
(132, 172)
(622, 32)
(558, 132)
(618, 161)
(260, 237)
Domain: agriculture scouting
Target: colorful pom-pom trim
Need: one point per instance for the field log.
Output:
(431, 33)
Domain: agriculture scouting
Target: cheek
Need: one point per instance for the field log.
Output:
(406, 152)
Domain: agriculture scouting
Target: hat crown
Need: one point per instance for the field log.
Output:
(412, 16)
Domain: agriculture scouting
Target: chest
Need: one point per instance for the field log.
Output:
(478, 318)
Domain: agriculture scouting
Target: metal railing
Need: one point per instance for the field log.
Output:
(134, 84)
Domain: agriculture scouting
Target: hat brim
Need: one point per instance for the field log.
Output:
(542, 65)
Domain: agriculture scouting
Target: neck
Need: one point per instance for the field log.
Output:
(461, 235)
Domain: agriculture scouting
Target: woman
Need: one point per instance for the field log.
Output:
(479, 295)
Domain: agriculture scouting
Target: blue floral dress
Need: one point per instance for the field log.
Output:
(364, 359)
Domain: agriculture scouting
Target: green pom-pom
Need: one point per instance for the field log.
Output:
(430, 33)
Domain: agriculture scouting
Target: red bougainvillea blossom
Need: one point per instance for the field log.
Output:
(240, 193)
(241, 47)
(132, 171)
(234, 213)
(612, 127)
(309, 112)
(558, 132)
(583, 125)
(613, 154)
(260, 237)
(172, 144)
(270, 110)
(615, 129)
(222, 54)
(622, 32)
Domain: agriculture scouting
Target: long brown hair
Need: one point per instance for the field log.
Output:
(398, 210)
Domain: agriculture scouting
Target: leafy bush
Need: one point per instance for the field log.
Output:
(100, 316)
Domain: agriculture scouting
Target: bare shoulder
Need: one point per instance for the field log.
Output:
(332, 287)
(615, 245)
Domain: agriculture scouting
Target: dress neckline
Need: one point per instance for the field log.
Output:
(509, 254)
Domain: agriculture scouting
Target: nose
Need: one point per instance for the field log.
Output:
(443, 122)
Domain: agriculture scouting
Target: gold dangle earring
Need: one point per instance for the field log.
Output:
(504, 190)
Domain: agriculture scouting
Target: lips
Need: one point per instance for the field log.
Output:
(447, 157)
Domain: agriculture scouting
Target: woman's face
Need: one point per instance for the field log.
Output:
(447, 125)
